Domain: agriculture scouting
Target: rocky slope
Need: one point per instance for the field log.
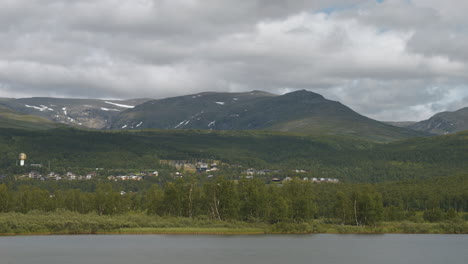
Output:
(444, 123)
(86, 113)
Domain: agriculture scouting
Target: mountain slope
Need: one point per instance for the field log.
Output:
(298, 112)
(87, 113)
(11, 119)
(400, 123)
(444, 123)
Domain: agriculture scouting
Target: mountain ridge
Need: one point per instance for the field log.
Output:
(300, 111)
(85, 113)
(444, 122)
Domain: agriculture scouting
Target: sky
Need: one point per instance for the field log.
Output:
(389, 60)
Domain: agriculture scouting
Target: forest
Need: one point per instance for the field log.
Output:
(346, 159)
(290, 207)
(418, 185)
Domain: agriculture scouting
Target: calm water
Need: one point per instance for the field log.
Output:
(285, 249)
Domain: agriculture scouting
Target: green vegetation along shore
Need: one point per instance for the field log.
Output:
(65, 222)
(247, 206)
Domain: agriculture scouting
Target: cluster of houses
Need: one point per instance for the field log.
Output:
(314, 180)
(125, 178)
(72, 176)
(138, 177)
(205, 167)
(318, 180)
(192, 166)
(56, 177)
(252, 172)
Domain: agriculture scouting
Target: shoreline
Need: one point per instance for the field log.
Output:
(204, 231)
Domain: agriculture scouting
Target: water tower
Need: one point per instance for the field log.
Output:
(22, 158)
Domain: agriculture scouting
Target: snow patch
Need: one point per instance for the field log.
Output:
(109, 109)
(180, 124)
(64, 110)
(40, 108)
(139, 124)
(183, 123)
(212, 123)
(124, 126)
(119, 105)
(235, 99)
(220, 103)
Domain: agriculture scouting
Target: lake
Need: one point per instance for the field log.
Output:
(205, 249)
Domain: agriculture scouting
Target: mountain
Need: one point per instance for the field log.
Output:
(444, 123)
(301, 112)
(86, 113)
(298, 112)
(11, 119)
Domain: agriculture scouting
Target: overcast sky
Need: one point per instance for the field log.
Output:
(389, 60)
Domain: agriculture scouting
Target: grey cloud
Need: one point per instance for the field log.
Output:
(389, 61)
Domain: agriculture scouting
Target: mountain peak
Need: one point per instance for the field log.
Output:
(304, 93)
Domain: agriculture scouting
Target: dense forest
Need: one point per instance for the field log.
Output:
(349, 160)
(422, 180)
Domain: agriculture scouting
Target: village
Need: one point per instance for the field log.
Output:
(176, 169)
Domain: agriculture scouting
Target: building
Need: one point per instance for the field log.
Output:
(54, 176)
(71, 175)
(35, 175)
(202, 167)
(250, 171)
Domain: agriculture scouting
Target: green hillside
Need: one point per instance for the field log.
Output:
(344, 158)
(11, 119)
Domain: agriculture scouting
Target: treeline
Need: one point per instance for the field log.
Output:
(249, 200)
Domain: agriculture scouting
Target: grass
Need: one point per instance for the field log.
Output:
(11, 119)
(64, 222)
(194, 230)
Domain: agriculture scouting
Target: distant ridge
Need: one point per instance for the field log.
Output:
(84, 113)
(301, 112)
(444, 123)
(11, 119)
(298, 112)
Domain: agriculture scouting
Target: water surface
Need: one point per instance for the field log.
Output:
(205, 249)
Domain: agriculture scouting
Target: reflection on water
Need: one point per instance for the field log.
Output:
(201, 249)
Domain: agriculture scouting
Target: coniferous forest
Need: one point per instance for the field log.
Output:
(413, 186)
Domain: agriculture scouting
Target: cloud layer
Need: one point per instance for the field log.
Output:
(390, 60)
